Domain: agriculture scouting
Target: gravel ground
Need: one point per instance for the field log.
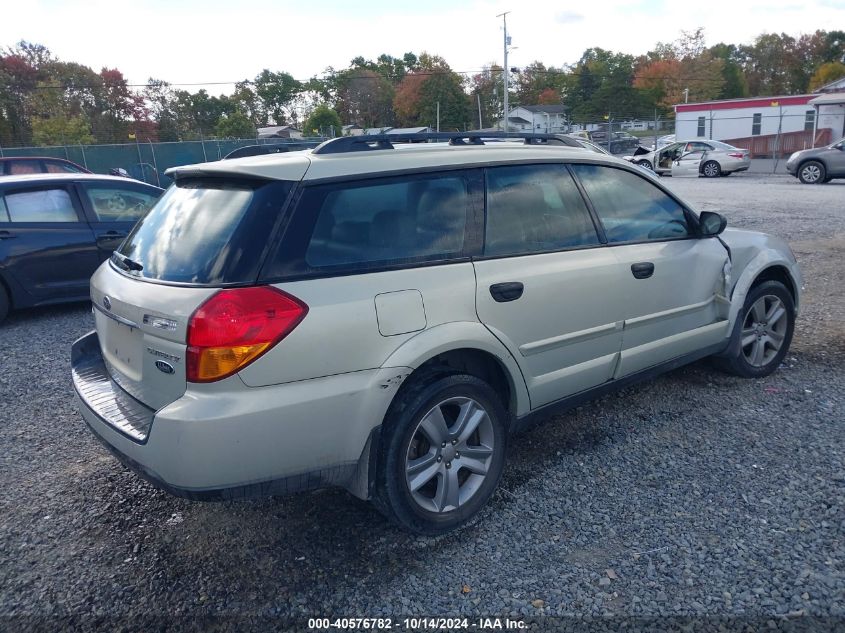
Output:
(696, 494)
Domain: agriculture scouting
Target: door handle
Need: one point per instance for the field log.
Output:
(113, 234)
(642, 270)
(5, 235)
(508, 291)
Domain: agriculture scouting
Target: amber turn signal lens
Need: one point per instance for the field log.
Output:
(234, 327)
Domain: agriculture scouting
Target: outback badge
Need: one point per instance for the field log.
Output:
(167, 368)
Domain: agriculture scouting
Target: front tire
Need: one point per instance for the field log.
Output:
(763, 332)
(711, 169)
(5, 304)
(442, 453)
(812, 173)
(645, 163)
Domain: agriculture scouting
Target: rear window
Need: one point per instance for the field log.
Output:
(205, 232)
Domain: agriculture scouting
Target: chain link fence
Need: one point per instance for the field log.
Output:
(145, 161)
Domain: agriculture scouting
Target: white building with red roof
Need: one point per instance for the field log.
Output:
(767, 125)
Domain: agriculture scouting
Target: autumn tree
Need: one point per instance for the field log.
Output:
(434, 85)
(825, 74)
(535, 80)
(687, 68)
(61, 130)
(771, 64)
(364, 97)
(486, 94)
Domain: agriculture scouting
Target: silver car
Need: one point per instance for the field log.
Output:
(819, 165)
(386, 321)
(712, 158)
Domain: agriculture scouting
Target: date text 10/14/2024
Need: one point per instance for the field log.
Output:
(416, 624)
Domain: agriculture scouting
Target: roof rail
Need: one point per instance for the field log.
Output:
(364, 143)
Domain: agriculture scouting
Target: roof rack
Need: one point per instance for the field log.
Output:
(364, 143)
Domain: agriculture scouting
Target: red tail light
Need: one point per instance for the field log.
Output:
(234, 327)
(736, 155)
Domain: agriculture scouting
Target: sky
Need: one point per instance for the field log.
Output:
(210, 41)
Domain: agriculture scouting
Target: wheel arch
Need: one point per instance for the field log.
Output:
(467, 348)
(768, 265)
(811, 159)
(464, 347)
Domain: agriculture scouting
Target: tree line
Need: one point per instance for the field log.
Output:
(48, 101)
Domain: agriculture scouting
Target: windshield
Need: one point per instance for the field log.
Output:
(204, 231)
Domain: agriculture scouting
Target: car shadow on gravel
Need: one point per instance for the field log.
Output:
(323, 541)
(44, 315)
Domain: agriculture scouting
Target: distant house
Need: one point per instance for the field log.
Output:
(370, 131)
(352, 130)
(637, 124)
(279, 131)
(544, 119)
(834, 86)
(409, 130)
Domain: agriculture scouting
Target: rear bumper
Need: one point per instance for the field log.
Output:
(225, 440)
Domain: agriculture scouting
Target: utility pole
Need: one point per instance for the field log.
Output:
(686, 95)
(507, 42)
(480, 124)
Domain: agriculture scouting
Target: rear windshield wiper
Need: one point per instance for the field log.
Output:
(129, 263)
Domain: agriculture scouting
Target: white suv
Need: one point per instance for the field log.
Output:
(384, 320)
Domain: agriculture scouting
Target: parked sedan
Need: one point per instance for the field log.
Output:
(714, 158)
(21, 165)
(819, 165)
(55, 229)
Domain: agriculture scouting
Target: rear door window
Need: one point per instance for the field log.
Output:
(41, 205)
(205, 232)
(379, 223)
(631, 208)
(535, 208)
(22, 167)
(59, 167)
(113, 203)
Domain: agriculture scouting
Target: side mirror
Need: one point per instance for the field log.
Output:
(711, 224)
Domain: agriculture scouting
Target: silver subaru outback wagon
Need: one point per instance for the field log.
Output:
(385, 320)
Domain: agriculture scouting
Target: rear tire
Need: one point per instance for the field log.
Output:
(812, 173)
(763, 332)
(442, 453)
(711, 169)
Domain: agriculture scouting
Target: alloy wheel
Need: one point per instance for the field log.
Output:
(811, 173)
(764, 330)
(450, 455)
(711, 170)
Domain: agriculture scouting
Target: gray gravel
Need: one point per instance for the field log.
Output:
(695, 494)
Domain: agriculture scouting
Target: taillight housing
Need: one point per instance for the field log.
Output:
(737, 155)
(235, 326)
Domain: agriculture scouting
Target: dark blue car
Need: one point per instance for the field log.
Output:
(55, 229)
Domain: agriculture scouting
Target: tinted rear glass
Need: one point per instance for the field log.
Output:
(205, 231)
